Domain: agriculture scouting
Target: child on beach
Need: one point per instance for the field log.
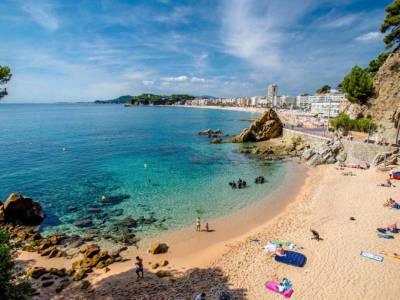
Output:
(207, 228)
(139, 267)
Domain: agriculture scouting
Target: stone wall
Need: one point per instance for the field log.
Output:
(356, 151)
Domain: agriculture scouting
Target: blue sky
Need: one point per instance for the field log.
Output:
(100, 49)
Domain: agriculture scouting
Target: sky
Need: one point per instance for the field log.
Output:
(101, 49)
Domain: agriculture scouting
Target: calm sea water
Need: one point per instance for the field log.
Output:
(149, 160)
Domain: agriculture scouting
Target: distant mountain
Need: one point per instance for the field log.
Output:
(146, 99)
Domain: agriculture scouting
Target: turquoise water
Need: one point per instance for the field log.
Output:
(70, 155)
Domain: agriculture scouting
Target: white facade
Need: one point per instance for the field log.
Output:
(287, 101)
(326, 109)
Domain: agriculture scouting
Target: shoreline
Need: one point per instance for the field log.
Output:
(324, 202)
(231, 108)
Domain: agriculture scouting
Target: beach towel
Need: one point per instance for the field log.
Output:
(385, 236)
(269, 248)
(274, 287)
(392, 255)
(382, 230)
(372, 256)
(286, 244)
(292, 258)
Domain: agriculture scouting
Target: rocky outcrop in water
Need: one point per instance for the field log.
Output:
(22, 210)
(210, 132)
(266, 127)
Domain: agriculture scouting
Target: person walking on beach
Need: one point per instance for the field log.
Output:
(139, 267)
(207, 227)
(198, 224)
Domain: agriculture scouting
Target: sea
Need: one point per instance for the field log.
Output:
(106, 163)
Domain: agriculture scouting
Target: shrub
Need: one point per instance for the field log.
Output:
(10, 286)
(344, 122)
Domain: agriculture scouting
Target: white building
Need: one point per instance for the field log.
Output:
(287, 101)
(303, 102)
(327, 105)
(273, 94)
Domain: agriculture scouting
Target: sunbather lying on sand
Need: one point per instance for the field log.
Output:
(389, 203)
(387, 184)
(280, 251)
(348, 173)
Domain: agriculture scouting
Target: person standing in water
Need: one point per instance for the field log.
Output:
(198, 224)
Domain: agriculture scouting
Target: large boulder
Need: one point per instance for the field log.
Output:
(20, 209)
(158, 248)
(266, 127)
(210, 132)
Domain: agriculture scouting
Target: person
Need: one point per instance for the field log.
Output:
(198, 224)
(280, 251)
(139, 267)
(389, 202)
(207, 228)
(201, 296)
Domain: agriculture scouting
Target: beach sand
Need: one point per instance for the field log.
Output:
(334, 268)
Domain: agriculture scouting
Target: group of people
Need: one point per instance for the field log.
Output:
(387, 184)
(198, 225)
(240, 184)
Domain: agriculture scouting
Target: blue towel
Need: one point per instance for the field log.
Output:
(292, 258)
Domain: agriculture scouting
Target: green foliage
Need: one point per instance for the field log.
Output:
(159, 99)
(5, 76)
(324, 89)
(375, 64)
(148, 99)
(344, 122)
(10, 287)
(358, 85)
(391, 24)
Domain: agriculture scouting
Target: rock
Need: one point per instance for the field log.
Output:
(266, 127)
(87, 222)
(162, 274)
(62, 286)
(316, 160)
(36, 272)
(90, 250)
(47, 251)
(45, 277)
(158, 248)
(72, 208)
(210, 132)
(155, 266)
(129, 222)
(307, 154)
(58, 272)
(54, 253)
(85, 285)
(331, 160)
(341, 157)
(2, 216)
(79, 275)
(216, 141)
(18, 208)
(116, 212)
(164, 263)
(47, 283)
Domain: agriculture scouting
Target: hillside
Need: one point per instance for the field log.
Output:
(385, 107)
(146, 99)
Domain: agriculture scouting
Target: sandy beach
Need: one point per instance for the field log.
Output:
(334, 269)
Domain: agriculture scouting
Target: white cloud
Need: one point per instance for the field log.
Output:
(197, 79)
(370, 37)
(147, 82)
(175, 79)
(42, 13)
(335, 22)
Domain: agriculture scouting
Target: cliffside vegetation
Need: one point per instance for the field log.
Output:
(324, 89)
(391, 25)
(358, 83)
(5, 76)
(345, 123)
(11, 287)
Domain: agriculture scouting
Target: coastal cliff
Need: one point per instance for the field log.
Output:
(385, 107)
